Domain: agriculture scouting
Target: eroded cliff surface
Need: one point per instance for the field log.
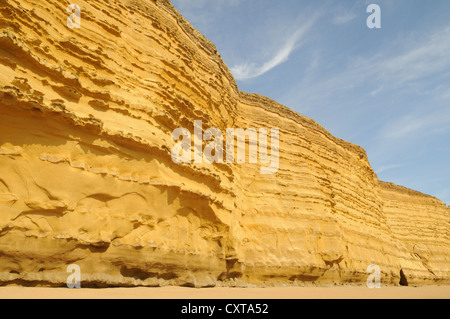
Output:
(87, 178)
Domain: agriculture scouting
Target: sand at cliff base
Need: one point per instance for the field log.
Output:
(427, 292)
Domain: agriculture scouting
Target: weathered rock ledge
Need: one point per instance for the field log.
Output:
(86, 175)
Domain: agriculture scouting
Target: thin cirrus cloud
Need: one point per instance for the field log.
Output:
(387, 168)
(409, 125)
(344, 18)
(431, 56)
(413, 62)
(251, 70)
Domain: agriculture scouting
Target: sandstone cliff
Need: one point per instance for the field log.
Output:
(86, 175)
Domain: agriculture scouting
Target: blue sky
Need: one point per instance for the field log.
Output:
(387, 90)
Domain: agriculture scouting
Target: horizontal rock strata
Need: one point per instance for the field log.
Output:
(86, 175)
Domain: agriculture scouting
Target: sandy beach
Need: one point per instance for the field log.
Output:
(131, 154)
(427, 292)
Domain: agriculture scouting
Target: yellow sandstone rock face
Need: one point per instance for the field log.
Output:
(87, 178)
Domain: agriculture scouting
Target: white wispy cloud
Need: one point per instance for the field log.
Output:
(424, 57)
(377, 91)
(203, 13)
(444, 195)
(446, 95)
(250, 70)
(344, 18)
(387, 168)
(184, 4)
(397, 67)
(423, 124)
